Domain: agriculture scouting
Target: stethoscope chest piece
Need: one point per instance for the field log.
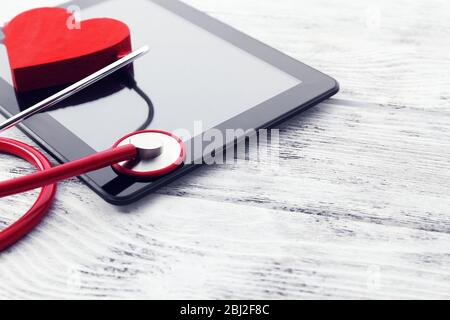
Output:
(160, 153)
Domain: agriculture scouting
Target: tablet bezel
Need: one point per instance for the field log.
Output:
(65, 146)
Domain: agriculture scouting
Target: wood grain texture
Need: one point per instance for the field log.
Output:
(355, 206)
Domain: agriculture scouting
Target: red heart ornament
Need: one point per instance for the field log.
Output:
(44, 52)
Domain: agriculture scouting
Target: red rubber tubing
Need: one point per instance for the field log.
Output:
(29, 220)
(68, 170)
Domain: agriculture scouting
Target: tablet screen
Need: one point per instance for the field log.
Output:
(189, 77)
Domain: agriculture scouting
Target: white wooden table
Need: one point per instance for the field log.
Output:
(360, 209)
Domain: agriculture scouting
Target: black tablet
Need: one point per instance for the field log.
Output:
(199, 70)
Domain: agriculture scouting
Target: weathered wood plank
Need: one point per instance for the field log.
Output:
(234, 251)
(360, 161)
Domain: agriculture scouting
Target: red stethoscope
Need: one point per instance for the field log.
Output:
(142, 154)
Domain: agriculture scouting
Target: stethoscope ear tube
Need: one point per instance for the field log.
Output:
(29, 220)
(68, 170)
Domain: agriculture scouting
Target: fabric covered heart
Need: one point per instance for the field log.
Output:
(44, 51)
